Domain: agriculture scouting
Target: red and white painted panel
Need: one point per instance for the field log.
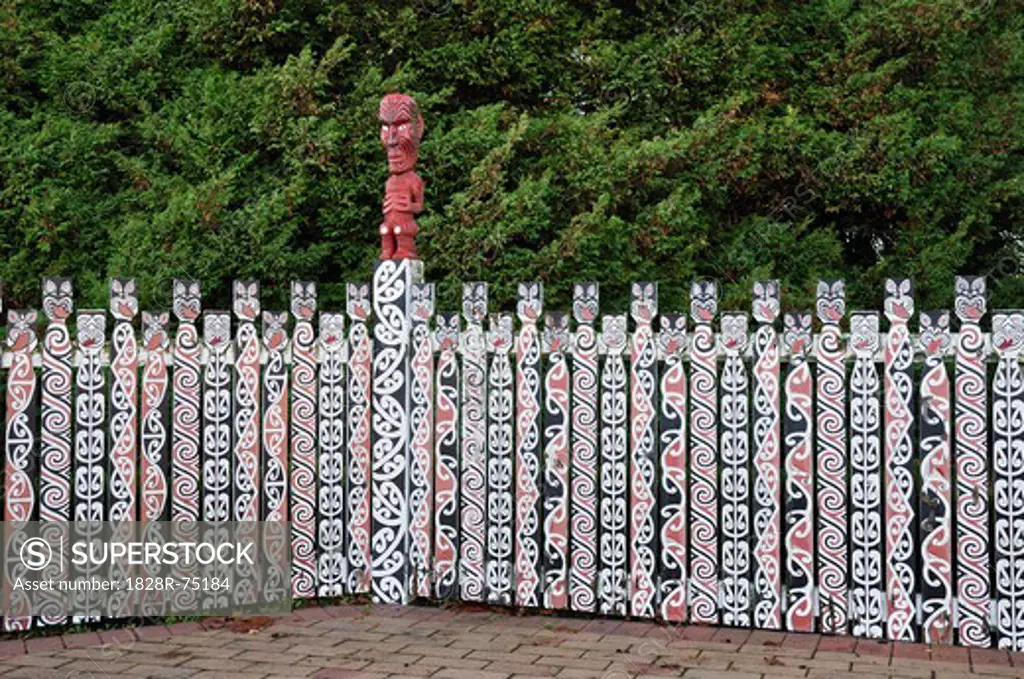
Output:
(672, 490)
(246, 424)
(556, 462)
(474, 444)
(357, 477)
(186, 394)
(611, 583)
(500, 411)
(584, 455)
(643, 456)
(446, 442)
(421, 421)
(798, 441)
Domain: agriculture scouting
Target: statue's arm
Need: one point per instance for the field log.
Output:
(416, 195)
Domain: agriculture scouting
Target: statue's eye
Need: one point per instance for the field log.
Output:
(403, 127)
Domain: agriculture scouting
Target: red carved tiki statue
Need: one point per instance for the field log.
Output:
(401, 128)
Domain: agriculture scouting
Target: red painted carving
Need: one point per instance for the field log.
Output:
(401, 128)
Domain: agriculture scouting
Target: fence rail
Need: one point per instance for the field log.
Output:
(844, 481)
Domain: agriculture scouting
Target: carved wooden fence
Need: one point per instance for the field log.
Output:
(848, 481)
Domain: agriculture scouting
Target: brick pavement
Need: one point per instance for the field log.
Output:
(380, 641)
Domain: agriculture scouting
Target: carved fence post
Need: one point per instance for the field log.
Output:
(1008, 477)
(901, 543)
(612, 579)
(833, 538)
(246, 452)
(867, 594)
(185, 434)
(500, 412)
(799, 445)
(446, 482)
(474, 443)
(735, 488)
(704, 453)
(528, 447)
(357, 480)
(421, 422)
(20, 453)
(302, 479)
(332, 568)
(583, 517)
(393, 282)
(556, 461)
(155, 469)
(274, 452)
(972, 463)
(767, 483)
(217, 417)
(672, 489)
(55, 416)
(124, 391)
(936, 498)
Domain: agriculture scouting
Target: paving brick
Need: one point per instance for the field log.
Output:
(161, 671)
(837, 644)
(183, 629)
(152, 632)
(515, 668)
(470, 674)
(405, 668)
(335, 673)
(699, 673)
(12, 647)
(82, 640)
(44, 644)
(39, 660)
(218, 664)
(989, 656)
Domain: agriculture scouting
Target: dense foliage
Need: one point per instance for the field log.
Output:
(566, 140)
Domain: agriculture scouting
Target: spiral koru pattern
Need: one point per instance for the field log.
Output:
(90, 440)
(901, 582)
(556, 481)
(767, 480)
(528, 441)
(216, 436)
(583, 531)
(55, 421)
(704, 480)
(833, 537)
(20, 470)
(124, 424)
(303, 460)
(972, 463)
(155, 500)
(186, 421)
(474, 470)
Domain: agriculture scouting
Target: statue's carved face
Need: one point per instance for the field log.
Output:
(401, 128)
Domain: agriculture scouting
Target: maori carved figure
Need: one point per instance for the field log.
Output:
(446, 480)
(611, 584)
(357, 481)
(186, 404)
(901, 580)
(672, 491)
(643, 440)
(974, 587)
(401, 128)
(735, 480)
(500, 516)
(831, 447)
(528, 447)
(866, 589)
(124, 387)
(302, 458)
(247, 403)
(798, 441)
(936, 497)
(767, 484)
(556, 461)
(156, 464)
(583, 516)
(1008, 477)
(704, 452)
(421, 419)
(474, 443)
(332, 565)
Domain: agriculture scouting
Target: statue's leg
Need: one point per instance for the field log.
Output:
(405, 237)
(387, 242)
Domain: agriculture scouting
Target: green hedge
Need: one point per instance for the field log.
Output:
(565, 141)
